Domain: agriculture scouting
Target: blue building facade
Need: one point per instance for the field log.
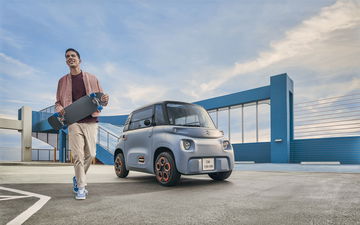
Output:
(281, 146)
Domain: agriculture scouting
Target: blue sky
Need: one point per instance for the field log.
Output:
(144, 51)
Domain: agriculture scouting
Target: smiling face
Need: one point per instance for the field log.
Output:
(72, 59)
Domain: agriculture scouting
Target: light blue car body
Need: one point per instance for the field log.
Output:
(141, 146)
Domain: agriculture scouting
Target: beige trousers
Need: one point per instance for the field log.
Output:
(82, 143)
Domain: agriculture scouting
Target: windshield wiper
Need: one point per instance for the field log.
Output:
(189, 125)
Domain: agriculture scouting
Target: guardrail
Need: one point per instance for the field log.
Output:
(50, 109)
(107, 139)
(51, 152)
(329, 117)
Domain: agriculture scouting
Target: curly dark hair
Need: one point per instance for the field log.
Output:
(71, 49)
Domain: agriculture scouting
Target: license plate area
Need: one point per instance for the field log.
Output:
(208, 164)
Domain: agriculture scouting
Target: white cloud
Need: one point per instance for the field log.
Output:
(16, 69)
(297, 50)
(21, 85)
(11, 39)
(302, 41)
(127, 89)
(330, 89)
(139, 93)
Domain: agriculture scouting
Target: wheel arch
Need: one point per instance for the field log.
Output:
(117, 151)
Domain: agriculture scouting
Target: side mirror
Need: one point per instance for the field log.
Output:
(147, 123)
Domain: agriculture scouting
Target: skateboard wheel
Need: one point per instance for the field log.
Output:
(93, 95)
(100, 108)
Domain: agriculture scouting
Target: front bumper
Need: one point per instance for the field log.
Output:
(221, 164)
(191, 162)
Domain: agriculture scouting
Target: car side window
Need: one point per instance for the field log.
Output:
(138, 118)
(159, 115)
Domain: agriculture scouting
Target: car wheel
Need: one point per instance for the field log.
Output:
(165, 170)
(220, 175)
(119, 166)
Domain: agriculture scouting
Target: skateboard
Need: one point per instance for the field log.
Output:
(78, 110)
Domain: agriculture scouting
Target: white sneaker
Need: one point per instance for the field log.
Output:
(80, 194)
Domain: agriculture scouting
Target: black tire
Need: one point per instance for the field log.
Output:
(165, 170)
(220, 175)
(119, 166)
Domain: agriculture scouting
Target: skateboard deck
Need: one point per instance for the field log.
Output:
(78, 110)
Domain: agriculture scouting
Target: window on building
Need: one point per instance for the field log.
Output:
(250, 122)
(236, 124)
(264, 120)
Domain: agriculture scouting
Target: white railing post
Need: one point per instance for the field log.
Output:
(26, 141)
(25, 127)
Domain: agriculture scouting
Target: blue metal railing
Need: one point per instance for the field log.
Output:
(50, 109)
(328, 118)
(106, 142)
(106, 138)
(42, 154)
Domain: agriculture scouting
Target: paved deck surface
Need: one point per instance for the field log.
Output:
(283, 167)
(248, 197)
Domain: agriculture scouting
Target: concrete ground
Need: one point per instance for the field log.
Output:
(249, 196)
(281, 167)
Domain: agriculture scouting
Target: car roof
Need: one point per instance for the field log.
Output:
(162, 102)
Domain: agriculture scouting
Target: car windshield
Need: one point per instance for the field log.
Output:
(188, 115)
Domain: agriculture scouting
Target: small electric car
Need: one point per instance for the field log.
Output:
(172, 138)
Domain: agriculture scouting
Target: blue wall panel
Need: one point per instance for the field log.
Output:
(104, 156)
(114, 120)
(345, 150)
(280, 92)
(258, 152)
(238, 98)
(281, 120)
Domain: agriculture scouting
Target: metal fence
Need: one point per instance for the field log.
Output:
(45, 154)
(328, 117)
(50, 109)
(107, 139)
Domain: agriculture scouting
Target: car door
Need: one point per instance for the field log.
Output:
(138, 139)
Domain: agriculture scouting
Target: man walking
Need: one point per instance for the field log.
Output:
(82, 134)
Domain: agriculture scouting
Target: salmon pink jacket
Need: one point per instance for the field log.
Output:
(64, 90)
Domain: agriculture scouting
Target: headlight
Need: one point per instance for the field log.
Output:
(226, 144)
(186, 144)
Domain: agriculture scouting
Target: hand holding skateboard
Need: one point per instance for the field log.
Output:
(105, 99)
(62, 112)
(78, 110)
